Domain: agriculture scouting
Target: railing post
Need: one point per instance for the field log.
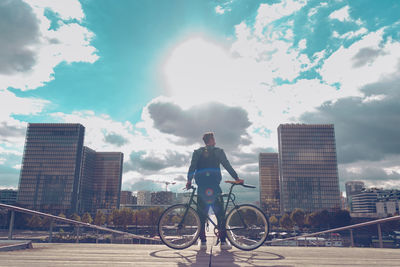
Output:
(11, 226)
(380, 236)
(77, 233)
(51, 230)
(351, 238)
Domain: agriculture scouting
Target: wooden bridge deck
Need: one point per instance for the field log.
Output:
(158, 255)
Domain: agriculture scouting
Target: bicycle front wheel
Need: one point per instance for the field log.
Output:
(179, 226)
(247, 227)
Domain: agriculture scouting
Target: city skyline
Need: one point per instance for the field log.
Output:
(148, 79)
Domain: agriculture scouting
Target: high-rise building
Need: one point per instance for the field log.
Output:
(86, 193)
(162, 198)
(107, 180)
(308, 176)
(101, 180)
(49, 178)
(126, 198)
(365, 202)
(60, 175)
(8, 196)
(269, 182)
(182, 198)
(353, 188)
(143, 198)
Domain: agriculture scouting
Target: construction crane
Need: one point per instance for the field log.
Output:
(166, 184)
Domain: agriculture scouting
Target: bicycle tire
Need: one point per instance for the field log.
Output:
(247, 227)
(173, 234)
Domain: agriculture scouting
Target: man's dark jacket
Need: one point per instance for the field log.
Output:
(205, 166)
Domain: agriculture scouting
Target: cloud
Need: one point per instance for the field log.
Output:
(219, 10)
(366, 55)
(366, 127)
(142, 185)
(228, 123)
(364, 62)
(115, 139)
(7, 131)
(341, 14)
(31, 48)
(180, 178)
(381, 173)
(19, 30)
(66, 12)
(149, 162)
(268, 13)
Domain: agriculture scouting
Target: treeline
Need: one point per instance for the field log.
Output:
(119, 218)
(315, 220)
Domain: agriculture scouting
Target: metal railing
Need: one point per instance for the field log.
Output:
(378, 222)
(77, 224)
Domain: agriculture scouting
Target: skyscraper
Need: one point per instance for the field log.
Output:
(308, 176)
(107, 180)
(269, 182)
(101, 176)
(60, 175)
(353, 188)
(49, 178)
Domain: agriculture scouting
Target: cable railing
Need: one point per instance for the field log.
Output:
(378, 222)
(77, 224)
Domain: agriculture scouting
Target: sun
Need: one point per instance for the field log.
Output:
(197, 70)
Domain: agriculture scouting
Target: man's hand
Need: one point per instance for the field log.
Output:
(239, 181)
(188, 185)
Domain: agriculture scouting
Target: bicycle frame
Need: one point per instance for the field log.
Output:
(229, 198)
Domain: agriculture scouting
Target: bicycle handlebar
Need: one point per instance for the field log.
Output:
(229, 182)
(236, 183)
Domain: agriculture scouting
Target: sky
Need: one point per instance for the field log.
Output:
(148, 78)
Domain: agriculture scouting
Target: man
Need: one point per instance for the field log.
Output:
(205, 168)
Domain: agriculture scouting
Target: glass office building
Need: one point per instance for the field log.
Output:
(49, 178)
(269, 182)
(101, 177)
(60, 175)
(353, 188)
(107, 180)
(308, 176)
(87, 192)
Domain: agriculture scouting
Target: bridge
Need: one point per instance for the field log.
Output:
(76, 254)
(57, 254)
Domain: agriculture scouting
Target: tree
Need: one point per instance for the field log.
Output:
(311, 219)
(110, 218)
(100, 218)
(122, 217)
(340, 218)
(35, 221)
(75, 217)
(320, 219)
(324, 218)
(87, 218)
(298, 217)
(286, 222)
(153, 216)
(273, 220)
(46, 221)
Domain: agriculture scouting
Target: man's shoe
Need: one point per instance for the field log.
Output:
(202, 245)
(225, 246)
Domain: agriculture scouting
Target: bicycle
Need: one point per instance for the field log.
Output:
(246, 225)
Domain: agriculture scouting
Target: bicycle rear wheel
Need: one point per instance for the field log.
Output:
(247, 227)
(179, 226)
